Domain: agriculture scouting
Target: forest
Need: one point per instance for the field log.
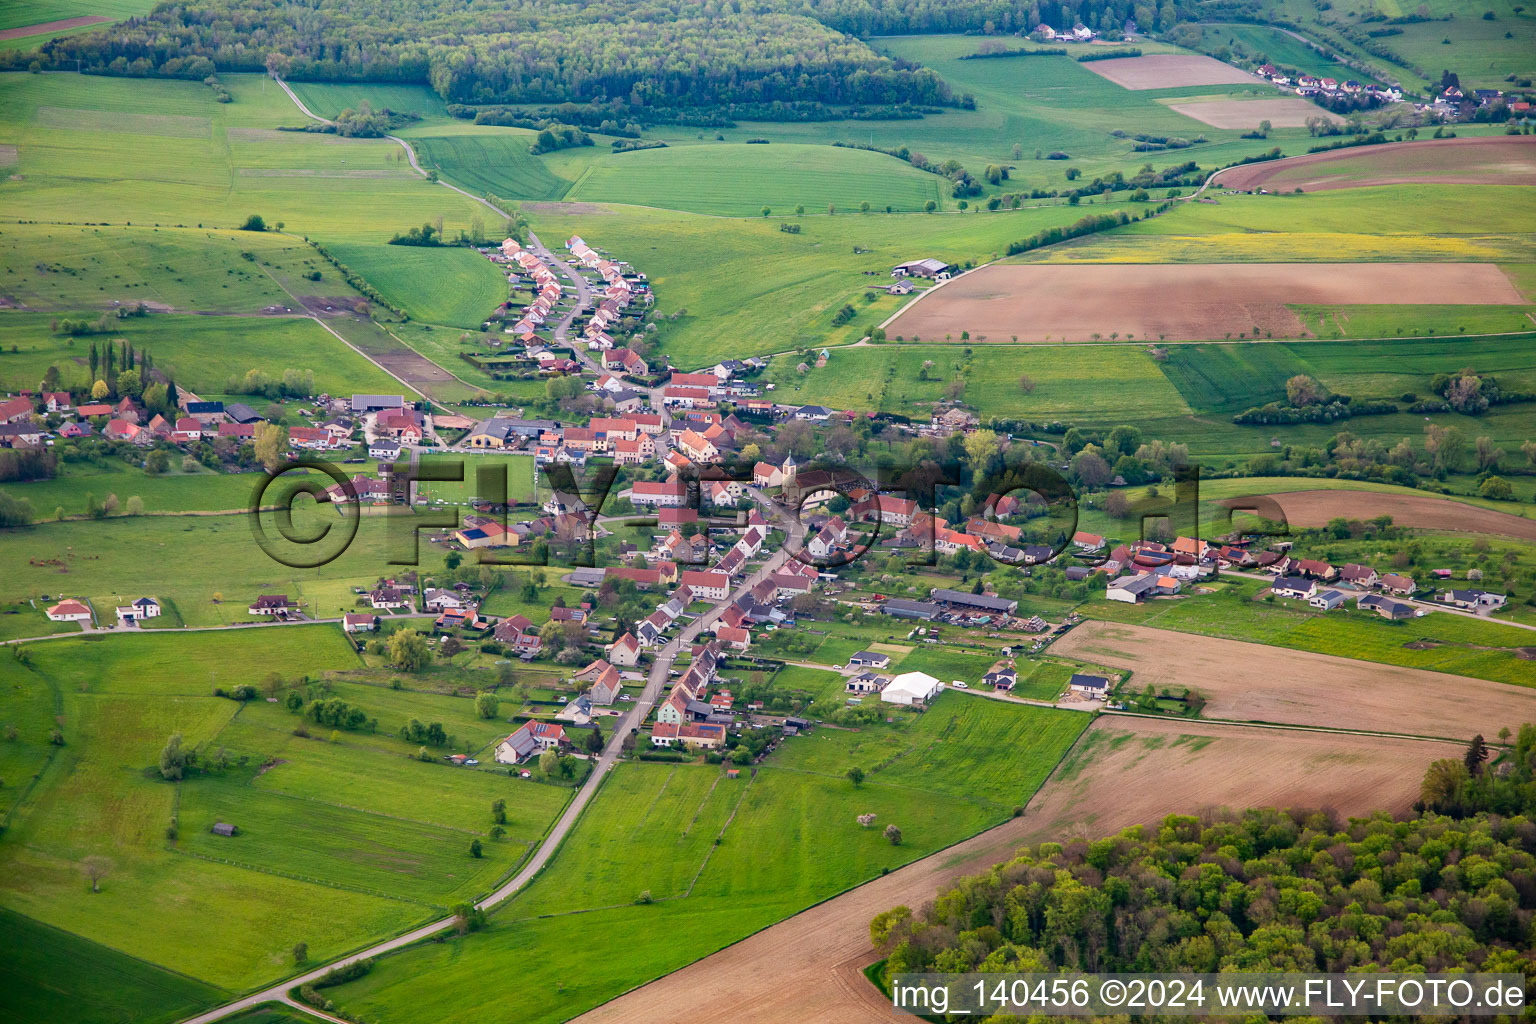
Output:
(659, 54)
(1454, 885)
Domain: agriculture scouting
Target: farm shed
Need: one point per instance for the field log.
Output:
(223, 828)
(910, 688)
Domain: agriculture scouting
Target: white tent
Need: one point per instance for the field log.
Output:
(910, 688)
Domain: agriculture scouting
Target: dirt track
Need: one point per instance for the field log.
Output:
(1315, 508)
(1256, 683)
(1185, 301)
(1497, 160)
(808, 967)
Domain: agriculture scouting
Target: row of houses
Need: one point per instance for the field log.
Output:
(545, 284)
(1311, 85)
(618, 292)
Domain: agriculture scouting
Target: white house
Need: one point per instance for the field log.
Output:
(70, 610)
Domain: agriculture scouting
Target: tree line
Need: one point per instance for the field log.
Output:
(1452, 886)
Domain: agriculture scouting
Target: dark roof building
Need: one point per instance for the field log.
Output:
(902, 608)
(978, 602)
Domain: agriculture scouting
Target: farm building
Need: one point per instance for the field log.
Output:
(910, 688)
(223, 828)
(989, 603)
(1131, 589)
(929, 267)
(902, 608)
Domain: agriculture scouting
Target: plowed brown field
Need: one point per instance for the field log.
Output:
(1500, 160)
(1256, 683)
(1123, 771)
(1315, 508)
(1169, 71)
(1179, 302)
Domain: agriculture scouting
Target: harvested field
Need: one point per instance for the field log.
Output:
(1315, 508)
(1122, 772)
(51, 26)
(1257, 683)
(1180, 302)
(1281, 113)
(1169, 71)
(1499, 160)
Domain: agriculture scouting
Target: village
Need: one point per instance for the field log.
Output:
(720, 557)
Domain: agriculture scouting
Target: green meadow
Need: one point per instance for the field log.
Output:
(1070, 382)
(738, 180)
(335, 844)
(199, 352)
(489, 159)
(740, 286)
(209, 568)
(1047, 103)
(330, 98)
(450, 286)
(674, 861)
(67, 267)
(51, 975)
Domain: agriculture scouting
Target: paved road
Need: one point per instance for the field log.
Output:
(655, 682)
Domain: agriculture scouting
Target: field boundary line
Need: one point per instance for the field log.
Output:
(721, 834)
(1288, 727)
(698, 812)
(635, 833)
(53, 748)
(377, 814)
(364, 890)
(120, 952)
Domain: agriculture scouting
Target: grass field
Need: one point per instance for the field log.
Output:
(69, 268)
(330, 98)
(737, 180)
(210, 568)
(51, 975)
(786, 838)
(1048, 103)
(1231, 378)
(1267, 44)
(335, 841)
(200, 352)
(451, 286)
(749, 288)
(494, 160)
(1449, 223)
